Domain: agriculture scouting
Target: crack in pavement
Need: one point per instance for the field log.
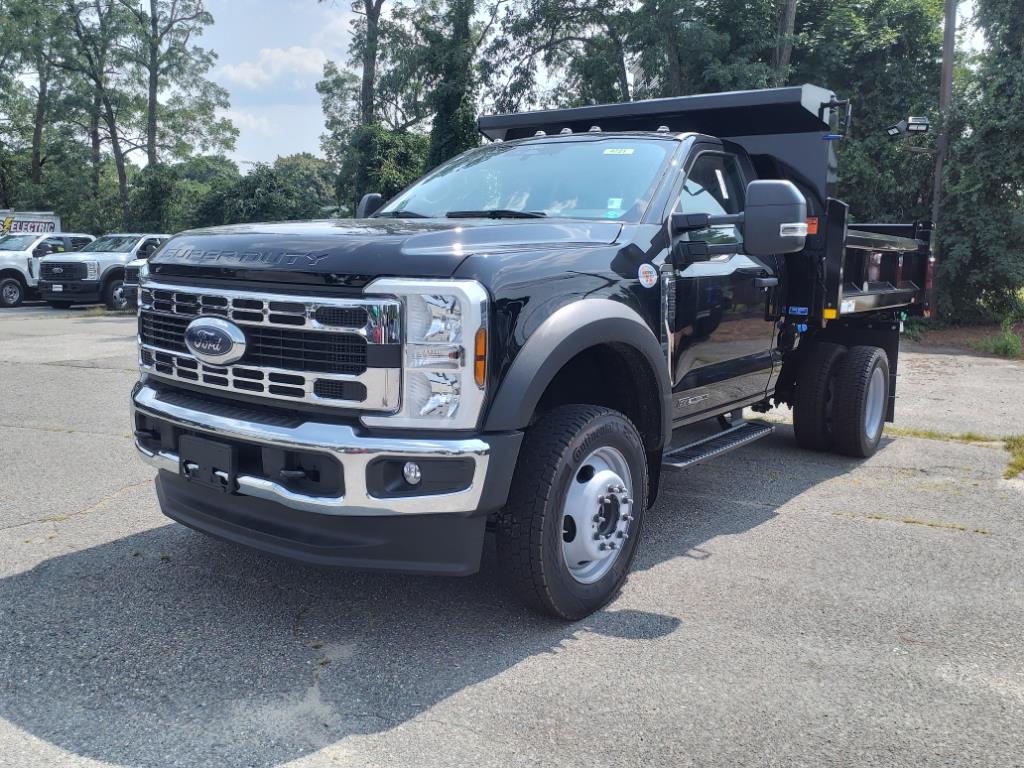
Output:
(91, 508)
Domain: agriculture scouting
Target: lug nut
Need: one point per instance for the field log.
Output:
(627, 500)
(602, 546)
(613, 545)
(623, 535)
(598, 519)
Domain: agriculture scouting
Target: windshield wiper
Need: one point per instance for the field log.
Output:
(403, 215)
(496, 213)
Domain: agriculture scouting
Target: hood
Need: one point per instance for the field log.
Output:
(353, 252)
(73, 256)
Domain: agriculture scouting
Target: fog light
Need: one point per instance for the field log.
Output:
(411, 472)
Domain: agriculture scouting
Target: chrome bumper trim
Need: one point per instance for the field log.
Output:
(353, 451)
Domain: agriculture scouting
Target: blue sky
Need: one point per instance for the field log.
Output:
(270, 55)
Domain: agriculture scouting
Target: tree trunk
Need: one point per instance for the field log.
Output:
(94, 137)
(784, 49)
(154, 82)
(623, 72)
(42, 95)
(367, 94)
(115, 148)
(675, 69)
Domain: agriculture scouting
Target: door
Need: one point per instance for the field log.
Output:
(720, 342)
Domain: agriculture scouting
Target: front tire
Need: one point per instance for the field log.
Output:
(12, 292)
(114, 296)
(567, 537)
(862, 397)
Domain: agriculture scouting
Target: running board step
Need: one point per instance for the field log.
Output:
(710, 447)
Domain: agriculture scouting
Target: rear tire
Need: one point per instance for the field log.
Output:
(861, 401)
(554, 553)
(815, 396)
(12, 292)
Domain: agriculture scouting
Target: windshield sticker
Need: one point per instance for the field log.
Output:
(619, 151)
(648, 275)
(612, 214)
(614, 203)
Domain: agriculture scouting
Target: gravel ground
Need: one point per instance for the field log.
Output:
(787, 608)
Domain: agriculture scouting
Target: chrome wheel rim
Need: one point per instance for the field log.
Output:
(597, 515)
(874, 409)
(120, 300)
(11, 293)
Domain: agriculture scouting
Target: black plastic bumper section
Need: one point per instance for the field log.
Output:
(81, 291)
(449, 544)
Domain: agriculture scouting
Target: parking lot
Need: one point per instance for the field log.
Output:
(786, 608)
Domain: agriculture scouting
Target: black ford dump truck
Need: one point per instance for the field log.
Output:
(511, 343)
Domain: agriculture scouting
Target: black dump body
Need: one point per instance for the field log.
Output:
(789, 133)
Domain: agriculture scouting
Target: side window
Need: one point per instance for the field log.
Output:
(714, 186)
(78, 243)
(148, 246)
(56, 244)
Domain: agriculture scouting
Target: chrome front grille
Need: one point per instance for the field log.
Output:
(335, 352)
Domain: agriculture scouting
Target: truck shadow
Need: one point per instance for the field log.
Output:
(168, 648)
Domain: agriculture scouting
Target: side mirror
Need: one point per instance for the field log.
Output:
(775, 218)
(43, 249)
(369, 205)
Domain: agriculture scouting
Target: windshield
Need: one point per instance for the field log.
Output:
(17, 242)
(112, 244)
(611, 178)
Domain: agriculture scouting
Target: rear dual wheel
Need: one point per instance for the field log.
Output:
(842, 395)
(567, 536)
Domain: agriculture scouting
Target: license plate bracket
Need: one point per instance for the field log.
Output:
(208, 462)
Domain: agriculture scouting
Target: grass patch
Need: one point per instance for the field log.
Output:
(914, 328)
(1015, 445)
(1006, 343)
(949, 437)
(927, 523)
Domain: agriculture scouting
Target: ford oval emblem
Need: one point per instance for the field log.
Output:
(215, 341)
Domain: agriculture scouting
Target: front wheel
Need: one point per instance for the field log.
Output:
(12, 292)
(567, 536)
(114, 296)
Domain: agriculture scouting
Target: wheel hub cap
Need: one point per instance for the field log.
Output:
(598, 515)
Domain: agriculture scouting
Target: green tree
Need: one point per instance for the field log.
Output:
(451, 46)
(159, 43)
(982, 217)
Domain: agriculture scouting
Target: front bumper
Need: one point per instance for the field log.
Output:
(362, 526)
(79, 291)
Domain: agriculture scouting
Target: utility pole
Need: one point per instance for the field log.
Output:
(945, 97)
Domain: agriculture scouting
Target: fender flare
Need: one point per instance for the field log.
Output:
(115, 272)
(569, 331)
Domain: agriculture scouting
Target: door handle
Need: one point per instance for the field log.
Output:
(765, 282)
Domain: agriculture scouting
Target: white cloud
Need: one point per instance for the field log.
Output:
(272, 63)
(260, 125)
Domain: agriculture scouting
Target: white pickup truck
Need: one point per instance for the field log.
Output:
(20, 254)
(96, 273)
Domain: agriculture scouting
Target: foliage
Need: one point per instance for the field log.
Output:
(381, 161)
(1006, 343)
(982, 224)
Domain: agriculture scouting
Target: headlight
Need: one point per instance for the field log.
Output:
(444, 371)
(92, 270)
(143, 271)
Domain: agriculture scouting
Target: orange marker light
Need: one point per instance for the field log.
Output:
(812, 225)
(480, 357)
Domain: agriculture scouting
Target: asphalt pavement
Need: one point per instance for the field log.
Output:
(787, 608)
